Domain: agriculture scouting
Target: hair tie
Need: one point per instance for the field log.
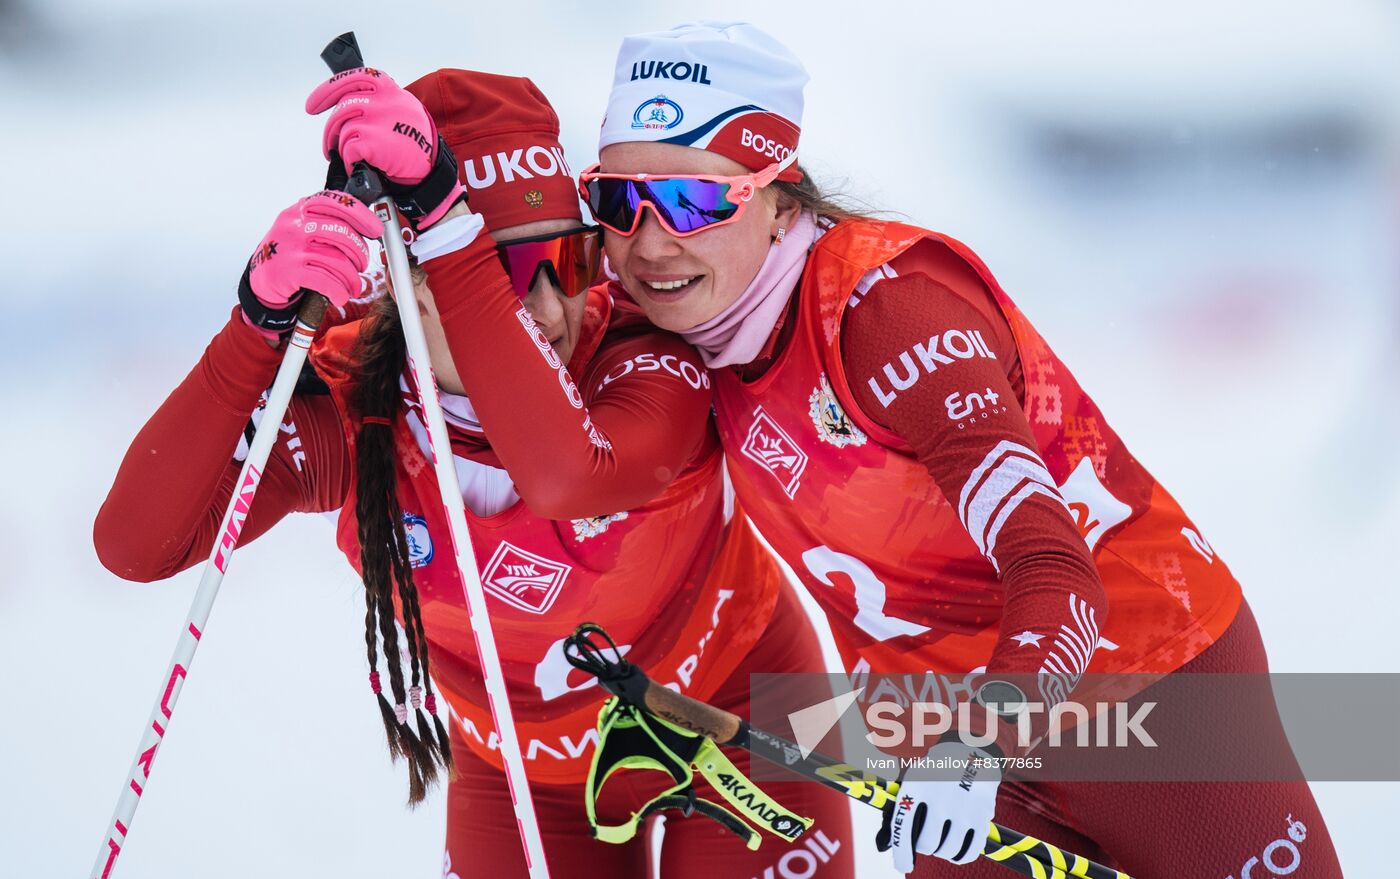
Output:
(374, 681)
(401, 713)
(376, 419)
(415, 696)
(431, 704)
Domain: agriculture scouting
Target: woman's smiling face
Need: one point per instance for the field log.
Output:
(681, 283)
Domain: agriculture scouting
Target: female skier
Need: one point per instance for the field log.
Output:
(581, 437)
(912, 447)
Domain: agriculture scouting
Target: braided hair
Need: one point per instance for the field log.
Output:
(384, 558)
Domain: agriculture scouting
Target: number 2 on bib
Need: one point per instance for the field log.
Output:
(823, 561)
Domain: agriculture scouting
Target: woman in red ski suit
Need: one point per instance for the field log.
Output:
(581, 438)
(911, 446)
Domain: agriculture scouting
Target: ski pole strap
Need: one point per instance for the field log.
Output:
(629, 738)
(747, 797)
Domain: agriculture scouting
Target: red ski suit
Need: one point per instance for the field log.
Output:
(959, 506)
(601, 500)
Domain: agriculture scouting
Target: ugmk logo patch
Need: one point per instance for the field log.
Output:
(523, 579)
(769, 446)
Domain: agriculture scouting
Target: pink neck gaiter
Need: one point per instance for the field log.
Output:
(737, 334)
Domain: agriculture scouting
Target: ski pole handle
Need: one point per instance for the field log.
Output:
(1024, 854)
(342, 54)
(313, 309)
(590, 649)
(694, 715)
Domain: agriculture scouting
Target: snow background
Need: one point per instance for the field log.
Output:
(1199, 206)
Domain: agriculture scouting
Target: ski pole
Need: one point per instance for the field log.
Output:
(1024, 854)
(313, 308)
(366, 186)
(343, 53)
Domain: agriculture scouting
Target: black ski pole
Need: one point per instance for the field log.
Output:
(1024, 854)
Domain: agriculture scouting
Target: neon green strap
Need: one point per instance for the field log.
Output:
(631, 739)
(747, 797)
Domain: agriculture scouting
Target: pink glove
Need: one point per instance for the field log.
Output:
(374, 120)
(317, 244)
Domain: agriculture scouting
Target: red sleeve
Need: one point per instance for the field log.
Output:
(164, 509)
(612, 446)
(965, 423)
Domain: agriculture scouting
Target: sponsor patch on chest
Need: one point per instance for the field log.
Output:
(420, 540)
(833, 424)
(594, 525)
(769, 446)
(523, 579)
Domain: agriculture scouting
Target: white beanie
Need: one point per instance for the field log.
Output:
(725, 87)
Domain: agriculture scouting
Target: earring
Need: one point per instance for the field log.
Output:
(779, 236)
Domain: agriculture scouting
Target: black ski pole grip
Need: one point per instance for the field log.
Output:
(342, 54)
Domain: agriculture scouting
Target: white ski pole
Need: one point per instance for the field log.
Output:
(313, 308)
(343, 54)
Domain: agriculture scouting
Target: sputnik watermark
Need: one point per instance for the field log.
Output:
(955, 764)
(1102, 724)
(1146, 727)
